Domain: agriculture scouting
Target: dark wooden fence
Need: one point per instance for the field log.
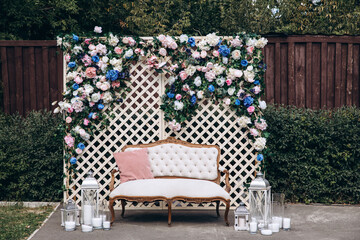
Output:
(313, 71)
(305, 71)
(32, 75)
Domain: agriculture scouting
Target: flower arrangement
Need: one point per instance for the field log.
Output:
(228, 70)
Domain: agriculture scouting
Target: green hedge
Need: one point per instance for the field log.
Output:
(31, 166)
(314, 155)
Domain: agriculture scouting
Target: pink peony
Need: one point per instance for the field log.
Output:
(254, 132)
(69, 140)
(183, 75)
(228, 82)
(90, 72)
(86, 121)
(178, 96)
(251, 109)
(215, 53)
(68, 120)
(118, 50)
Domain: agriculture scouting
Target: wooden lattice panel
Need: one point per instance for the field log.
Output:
(140, 120)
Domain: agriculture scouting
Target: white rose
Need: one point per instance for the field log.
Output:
(97, 29)
(200, 94)
(113, 41)
(250, 68)
(77, 49)
(197, 81)
(129, 53)
(261, 43)
(220, 81)
(88, 89)
(95, 97)
(217, 69)
(107, 97)
(260, 143)
(71, 75)
(231, 91)
(171, 80)
(227, 101)
(236, 54)
(162, 52)
(251, 42)
(58, 41)
(225, 60)
(114, 61)
(262, 104)
(118, 67)
(190, 70)
(178, 105)
(243, 121)
(203, 45)
(105, 59)
(249, 76)
(183, 38)
(212, 39)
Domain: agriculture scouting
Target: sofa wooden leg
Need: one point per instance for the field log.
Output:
(227, 212)
(217, 208)
(169, 213)
(123, 203)
(111, 208)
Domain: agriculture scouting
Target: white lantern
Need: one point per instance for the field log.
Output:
(69, 215)
(89, 200)
(241, 218)
(260, 200)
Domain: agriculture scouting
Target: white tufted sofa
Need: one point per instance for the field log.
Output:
(181, 170)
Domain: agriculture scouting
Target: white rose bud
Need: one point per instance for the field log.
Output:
(262, 104)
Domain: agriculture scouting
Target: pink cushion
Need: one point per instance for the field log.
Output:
(133, 165)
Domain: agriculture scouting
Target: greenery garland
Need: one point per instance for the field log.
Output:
(227, 70)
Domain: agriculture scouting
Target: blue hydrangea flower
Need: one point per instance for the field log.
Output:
(72, 160)
(122, 75)
(112, 75)
(257, 82)
(260, 157)
(75, 86)
(193, 99)
(248, 101)
(244, 63)
(101, 106)
(71, 64)
(237, 102)
(224, 50)
(90, 115)
(211, 88)
(170, 95)
(191, 41)
(75, 38)
(81, 146)
(95, 58)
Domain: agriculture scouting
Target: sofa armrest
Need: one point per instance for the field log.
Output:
(112, 182)
(227, 182)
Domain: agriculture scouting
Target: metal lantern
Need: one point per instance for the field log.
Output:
(241, 218)
(89, 199)
(260, 200)
(69, 215)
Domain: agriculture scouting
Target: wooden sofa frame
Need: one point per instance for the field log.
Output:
(179, 198)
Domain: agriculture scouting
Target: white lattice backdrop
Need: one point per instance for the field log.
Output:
(140, 120)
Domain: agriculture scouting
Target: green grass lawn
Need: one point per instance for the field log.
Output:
(18, 222)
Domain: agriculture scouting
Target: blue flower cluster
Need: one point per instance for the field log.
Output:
(237, 102)
(193, 100)
(211, 88)
(244, 63)
(75, 38)
(248, 101)
(260, 157)
(170, 95)
(81, 146)
(95, 58)
(191, 41)
(75, 86)
(71, 64)
(112, 75)
(72, 160)
(224, 50)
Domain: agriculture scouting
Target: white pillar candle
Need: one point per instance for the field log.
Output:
(69, 226)
(274, 227)
(253, 227)
(97, 222)
(286, 223)
(266, 232)
(278, 220)
(106, 225)
(86, 228)
(103, 217)
(88, 214)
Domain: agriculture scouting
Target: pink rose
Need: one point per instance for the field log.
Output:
(196, 55)
(203, 54)
(251, 109)
(210, 76)
(162, 52)
(174, 67)
(98, 84)
(250, 50)
(115, 84)
(215, 53)
(86, 121)
(178, 96)
(91, 104)
(209, 65)
(173, 45)
(87, 41)
(78, 151)
(257, 89)
(86, 60)
(183, 75)
(90, 72)
(104, 87)
(236, 42)
(185, 88)
(95, 116)
(118, 50)
(205, 69)
(198, 68)
(262, 125)
(68, 120)
(82, 132)
(161, 38)
(227, 101)
(228, 82)
(69, 140)
(238, 73)
(78, 80)
(70, 110)
(67, 57)
(254, 132)
(92, 47)
(137, 51)
(132, 42)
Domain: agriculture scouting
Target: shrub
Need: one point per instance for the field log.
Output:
(314, 155)
(31, 167)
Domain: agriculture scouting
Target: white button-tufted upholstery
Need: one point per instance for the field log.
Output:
(177, 160)
(170, 188)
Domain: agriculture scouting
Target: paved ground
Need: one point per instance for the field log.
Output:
(309, 222)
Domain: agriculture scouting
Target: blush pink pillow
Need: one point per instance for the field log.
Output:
(133, 165)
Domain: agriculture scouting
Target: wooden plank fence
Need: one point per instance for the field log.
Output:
(32, 75)
(311, 71)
